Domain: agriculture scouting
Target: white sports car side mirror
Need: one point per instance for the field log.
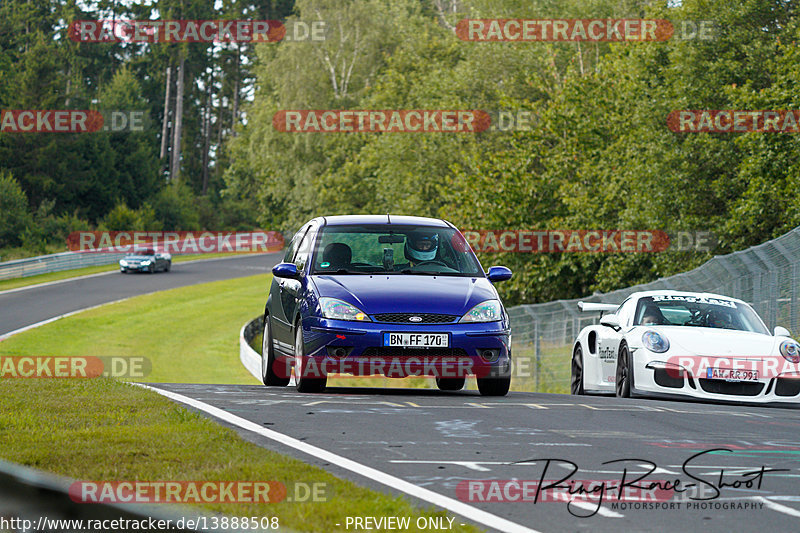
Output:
(782, 332)
(611, 321)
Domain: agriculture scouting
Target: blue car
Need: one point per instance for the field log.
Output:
(387, 295)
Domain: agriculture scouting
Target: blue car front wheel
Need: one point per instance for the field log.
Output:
(269, 365)
(494, 386)
(306, 376)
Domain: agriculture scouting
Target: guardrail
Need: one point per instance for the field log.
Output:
(31, 500)
(45, 264)
(767, 276)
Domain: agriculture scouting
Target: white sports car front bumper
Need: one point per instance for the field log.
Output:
(654, 377)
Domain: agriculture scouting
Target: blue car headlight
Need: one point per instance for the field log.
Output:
(790, 351)
(146, 263)
(123, 263)
(488, 311)
(336, 309)
(655, 342)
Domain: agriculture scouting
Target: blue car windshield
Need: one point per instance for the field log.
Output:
(394, 249)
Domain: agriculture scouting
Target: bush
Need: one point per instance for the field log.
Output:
(175, 206)
(14, 215)
(121, 218)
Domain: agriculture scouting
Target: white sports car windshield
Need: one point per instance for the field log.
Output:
(705, 312)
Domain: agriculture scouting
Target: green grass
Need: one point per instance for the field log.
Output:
(14, 283)
(102, 429)
(18, 252)
(190, 334)
(553, 370)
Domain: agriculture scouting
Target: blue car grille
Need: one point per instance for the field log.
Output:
(427, 318)
(414, 352)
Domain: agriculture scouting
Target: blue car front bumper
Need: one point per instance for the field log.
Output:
(359, 348)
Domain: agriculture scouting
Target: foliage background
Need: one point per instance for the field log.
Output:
(599, 156)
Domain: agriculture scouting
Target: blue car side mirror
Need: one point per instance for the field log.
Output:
(499, 273)
(285, 270)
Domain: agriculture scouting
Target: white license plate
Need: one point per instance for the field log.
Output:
(417, 340)
(731, 374)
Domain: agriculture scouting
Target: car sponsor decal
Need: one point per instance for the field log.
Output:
(694, 299)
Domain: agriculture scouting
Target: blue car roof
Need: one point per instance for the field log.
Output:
(382, 219)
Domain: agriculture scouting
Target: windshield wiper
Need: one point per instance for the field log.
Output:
(428, 272)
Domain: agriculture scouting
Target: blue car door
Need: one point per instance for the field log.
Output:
(281, 306)
(292, 291)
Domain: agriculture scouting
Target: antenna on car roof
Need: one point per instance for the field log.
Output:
(388, 219)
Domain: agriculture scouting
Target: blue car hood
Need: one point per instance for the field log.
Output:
(376, 294)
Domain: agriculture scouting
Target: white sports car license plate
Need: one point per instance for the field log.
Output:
(731, 374)
(417, 340)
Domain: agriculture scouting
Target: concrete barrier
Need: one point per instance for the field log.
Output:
(250, 358)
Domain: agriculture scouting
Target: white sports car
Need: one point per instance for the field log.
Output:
(671, 343)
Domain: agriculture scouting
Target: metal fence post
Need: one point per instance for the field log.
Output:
(756, 275)
(536, 351)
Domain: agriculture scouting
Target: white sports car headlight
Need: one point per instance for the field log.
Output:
(336, 309)
(790, 351)
(488, 311)
(655, 342)
(123, 263)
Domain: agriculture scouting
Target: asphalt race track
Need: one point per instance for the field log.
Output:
(442, 441)
(20, 308)
(437, 440)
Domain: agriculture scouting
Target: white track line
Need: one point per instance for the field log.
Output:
(4, 336)
(455, 506)
(785, 509)
(87, 276)
(56, 282)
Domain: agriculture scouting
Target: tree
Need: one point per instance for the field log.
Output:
(14, 215)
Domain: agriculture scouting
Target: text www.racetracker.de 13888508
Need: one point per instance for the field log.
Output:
(44, 524)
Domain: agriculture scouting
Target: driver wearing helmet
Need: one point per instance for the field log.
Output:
(421, 246)
(719, 319)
